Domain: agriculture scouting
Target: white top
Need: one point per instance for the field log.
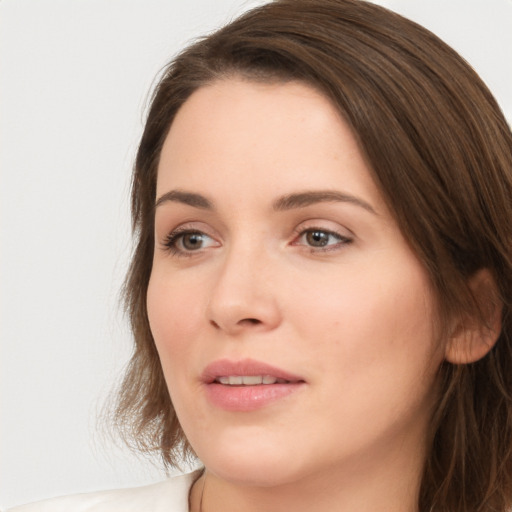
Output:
(171, 495)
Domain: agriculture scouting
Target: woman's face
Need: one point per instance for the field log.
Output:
(293, 322)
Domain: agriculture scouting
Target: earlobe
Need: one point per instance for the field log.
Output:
(473, 337)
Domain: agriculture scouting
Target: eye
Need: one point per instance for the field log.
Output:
(321, 239)
(186, 241)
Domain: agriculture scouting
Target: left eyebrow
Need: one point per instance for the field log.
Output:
(302, 199)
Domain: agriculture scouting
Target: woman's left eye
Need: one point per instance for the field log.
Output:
(321, 239)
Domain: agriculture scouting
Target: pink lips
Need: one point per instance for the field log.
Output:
(241, 398)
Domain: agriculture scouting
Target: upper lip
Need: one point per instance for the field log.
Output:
(244, 367)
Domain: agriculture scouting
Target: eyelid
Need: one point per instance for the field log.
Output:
(344, 235)
(170, 239)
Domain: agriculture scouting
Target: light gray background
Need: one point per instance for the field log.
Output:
(74, 77)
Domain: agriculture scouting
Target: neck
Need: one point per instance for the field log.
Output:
(365, 487)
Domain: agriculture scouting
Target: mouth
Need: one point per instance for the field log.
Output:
(246, 372)
(247, 385)
(250, 380)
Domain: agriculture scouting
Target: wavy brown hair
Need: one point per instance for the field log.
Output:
(440, 151)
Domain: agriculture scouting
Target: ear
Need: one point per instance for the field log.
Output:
(472, 338)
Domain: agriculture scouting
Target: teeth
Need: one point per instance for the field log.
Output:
(248, 380)
(252, 380)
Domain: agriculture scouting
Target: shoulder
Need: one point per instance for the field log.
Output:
(171, 495)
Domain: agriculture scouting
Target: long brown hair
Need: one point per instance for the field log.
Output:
(440, 151)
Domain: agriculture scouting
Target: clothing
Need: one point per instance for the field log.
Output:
(171, 495)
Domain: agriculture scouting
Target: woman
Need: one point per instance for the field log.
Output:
(321, 286)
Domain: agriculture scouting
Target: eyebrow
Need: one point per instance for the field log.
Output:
(284, 203)
(302, 199)
(188, 198)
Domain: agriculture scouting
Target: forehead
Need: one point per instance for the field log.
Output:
(270, 136)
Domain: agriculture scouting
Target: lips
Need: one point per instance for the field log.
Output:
(249, 380)
(247, 385)
(245, 368)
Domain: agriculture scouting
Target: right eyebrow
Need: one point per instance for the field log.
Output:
(188, 198)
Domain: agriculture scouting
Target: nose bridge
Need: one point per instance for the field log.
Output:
(242, 296)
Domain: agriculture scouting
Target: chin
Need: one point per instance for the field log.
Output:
(255, 461)
(254, 473)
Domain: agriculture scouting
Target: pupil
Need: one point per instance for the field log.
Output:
(192, 241)
(317, 238)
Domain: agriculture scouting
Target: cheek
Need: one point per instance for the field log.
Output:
(371, 337)
(377, 318)
(173, 312)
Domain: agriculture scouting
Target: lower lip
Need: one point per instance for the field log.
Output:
(248, 398)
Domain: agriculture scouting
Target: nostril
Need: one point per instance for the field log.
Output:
(251, 321)
(240, 323)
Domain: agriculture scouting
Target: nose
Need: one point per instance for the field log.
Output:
(244, 297)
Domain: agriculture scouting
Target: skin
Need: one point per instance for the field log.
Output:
(354, 319)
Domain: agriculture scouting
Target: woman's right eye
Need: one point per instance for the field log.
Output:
(185, 242)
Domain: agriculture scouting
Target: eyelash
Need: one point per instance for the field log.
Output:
(341, 239)
(171, 241)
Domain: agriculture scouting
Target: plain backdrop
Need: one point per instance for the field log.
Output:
(74, 80)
